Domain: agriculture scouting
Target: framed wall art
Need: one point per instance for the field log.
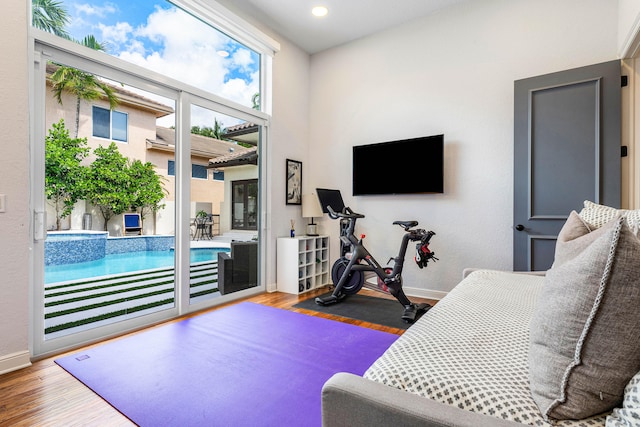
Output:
(294, 182)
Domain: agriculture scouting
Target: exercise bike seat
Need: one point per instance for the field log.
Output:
(406, 224)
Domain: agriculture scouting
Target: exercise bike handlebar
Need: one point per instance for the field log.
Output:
(346, 213)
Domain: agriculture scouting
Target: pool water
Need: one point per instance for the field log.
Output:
(123, 263)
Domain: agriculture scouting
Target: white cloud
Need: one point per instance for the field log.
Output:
(242, 59)
(183, 48)
(239, 91)
(115, 34)
(93, 10)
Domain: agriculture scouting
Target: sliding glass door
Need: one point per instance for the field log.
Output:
(222, 254)
(132, 200)
(107, 253)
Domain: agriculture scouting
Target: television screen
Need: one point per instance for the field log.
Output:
(399, 167)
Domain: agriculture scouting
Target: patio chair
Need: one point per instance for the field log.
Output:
(202, 230)
(240, 270)
(132, 224)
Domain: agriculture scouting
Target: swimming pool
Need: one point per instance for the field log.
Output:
(123, 263)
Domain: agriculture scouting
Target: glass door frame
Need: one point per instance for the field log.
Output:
(46, 47)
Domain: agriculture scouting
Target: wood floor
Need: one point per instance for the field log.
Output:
(46, 395)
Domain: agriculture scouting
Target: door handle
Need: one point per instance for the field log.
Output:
(39, 226)
(520, 227)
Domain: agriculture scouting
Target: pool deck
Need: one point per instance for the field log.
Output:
(77, 305)
(199, 244)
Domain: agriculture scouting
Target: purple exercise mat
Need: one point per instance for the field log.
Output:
(243, 365)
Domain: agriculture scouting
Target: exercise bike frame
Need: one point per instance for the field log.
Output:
(390, 277)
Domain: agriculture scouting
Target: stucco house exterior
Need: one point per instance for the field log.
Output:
(132, 125)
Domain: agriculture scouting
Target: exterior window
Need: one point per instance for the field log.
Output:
(244, 194)
(110, 124)
(218, 176)
(197, 171)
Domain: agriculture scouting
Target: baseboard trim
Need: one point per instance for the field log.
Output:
(424, 293)
(14, 361)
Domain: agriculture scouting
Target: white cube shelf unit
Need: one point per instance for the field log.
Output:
(302, 263)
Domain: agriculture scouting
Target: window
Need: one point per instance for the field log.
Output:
(218, 176)
(110, 124)
(244, 194)
(197, 171)
(145, 35)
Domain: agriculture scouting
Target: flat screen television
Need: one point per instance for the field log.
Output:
(407, 166)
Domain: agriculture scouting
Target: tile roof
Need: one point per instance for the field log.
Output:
(249, 156)
(202, 146)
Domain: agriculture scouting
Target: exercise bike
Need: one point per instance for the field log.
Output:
(347, 272)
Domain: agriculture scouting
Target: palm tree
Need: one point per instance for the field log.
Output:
(84, 85)
(218, 130)
(50, 16)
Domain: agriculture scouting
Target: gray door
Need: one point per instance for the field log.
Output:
(566, 150)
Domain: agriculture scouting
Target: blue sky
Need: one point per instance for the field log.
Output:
(158, 36)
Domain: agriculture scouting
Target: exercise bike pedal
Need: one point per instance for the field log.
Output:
(329, 299)
(411, 311)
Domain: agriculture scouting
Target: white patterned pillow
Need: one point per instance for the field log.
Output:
(629, 414)
(598, 215)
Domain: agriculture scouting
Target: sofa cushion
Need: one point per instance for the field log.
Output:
(629, 414)
(597, 215)
(585, 340)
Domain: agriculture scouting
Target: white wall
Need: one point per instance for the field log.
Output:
(14, 183)
(288, 139)
(450, 73)
(628, 23)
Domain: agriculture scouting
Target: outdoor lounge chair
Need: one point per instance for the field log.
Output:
(240, 270)
(132, 224)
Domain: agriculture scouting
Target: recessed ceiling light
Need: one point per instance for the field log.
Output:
(223, 53)
(319, 11)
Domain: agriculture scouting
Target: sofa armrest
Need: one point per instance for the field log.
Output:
(350, 400)
(470, 270)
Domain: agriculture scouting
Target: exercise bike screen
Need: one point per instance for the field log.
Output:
(331, 198)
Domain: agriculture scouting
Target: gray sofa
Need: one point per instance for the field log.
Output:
(464, 363)
(439, 372)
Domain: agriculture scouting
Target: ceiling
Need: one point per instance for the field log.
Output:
(347, 20)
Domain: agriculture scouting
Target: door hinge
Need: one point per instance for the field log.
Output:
(624, 152)
(624, 81)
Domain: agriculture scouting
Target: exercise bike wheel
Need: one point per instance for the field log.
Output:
(355, 279)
